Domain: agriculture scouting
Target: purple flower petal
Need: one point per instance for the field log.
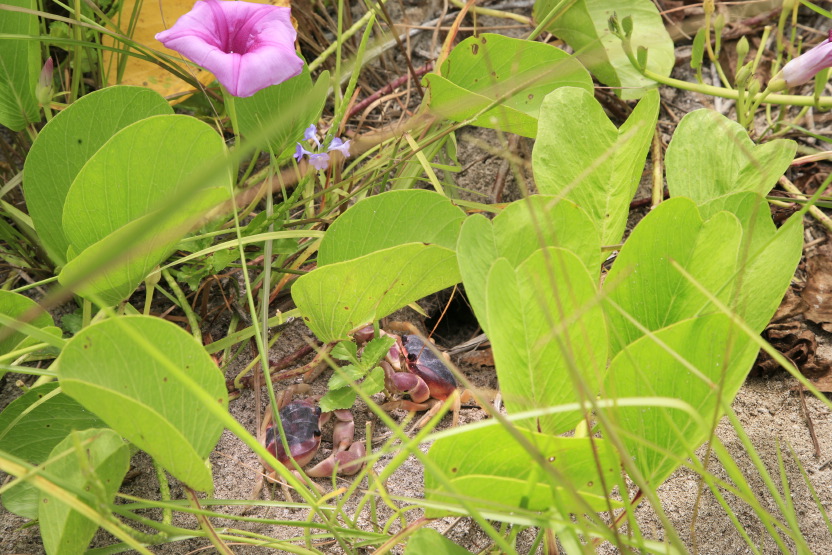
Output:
(311, 134)
(340, 146)
(319, 161)
(300, 151)
(247, 46)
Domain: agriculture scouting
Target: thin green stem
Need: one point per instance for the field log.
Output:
(193, 322)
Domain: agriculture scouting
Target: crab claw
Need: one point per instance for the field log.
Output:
(405, 382)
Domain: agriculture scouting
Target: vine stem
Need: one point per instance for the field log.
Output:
(764, 97)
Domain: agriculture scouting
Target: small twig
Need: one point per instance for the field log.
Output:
(816, 212)
(388, 88)
(276, 367)
(809, 423)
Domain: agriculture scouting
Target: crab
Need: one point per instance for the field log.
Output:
(412, 368)
(302, 421)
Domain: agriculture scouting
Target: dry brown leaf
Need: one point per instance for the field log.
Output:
(818, 291)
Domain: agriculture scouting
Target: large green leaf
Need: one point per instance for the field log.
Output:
(518, 73)
(16, 305)
(645, 285)
(135, 173)
(146, 245)
(118, 192)
(548, 334)
(266, 111)
(94, 461)
(657, 436)
(110, 368)
(337, 298)
(584, 25)
(490, 469)
(428, 540)
(30, 427)
(66, 143)
(768, 256)
(520, 229)
(581, 156)
(19, 60)
(710, 156)
(391, 219)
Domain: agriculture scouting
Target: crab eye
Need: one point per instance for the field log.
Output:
(411, 357)
(317, 433)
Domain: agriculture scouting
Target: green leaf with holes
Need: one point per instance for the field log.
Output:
(93, 461)
(515, 233)
(67, 142)
(30, 427)
(548, 334)
(726, 162)
(584, 25)
(490, 469)
(688, 361)
(141, 375)
(505, 77)
(580, 155)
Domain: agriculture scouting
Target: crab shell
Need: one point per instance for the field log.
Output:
(423, 363)
(302, 424)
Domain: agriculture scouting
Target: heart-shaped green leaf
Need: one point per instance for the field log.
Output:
(584, 25)
(391, 219)
(489, 468)
(141, 244)
(66, 143)
(121, 189)
(711, 156)
(95, 461)
(483, 69)
(548, 334)
(135, 173)
(580, 155)
(658, 438)
(19, 60)
(337, 298)
(139, 374)
(643, 283)
(30, 427)
(520, 229)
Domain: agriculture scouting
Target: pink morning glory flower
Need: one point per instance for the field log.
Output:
(804, 67)
(247, 46)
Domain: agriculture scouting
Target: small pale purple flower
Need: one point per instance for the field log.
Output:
(801, 69)
(340, 146)
(311, 134)
(320, 161)
(247, 46)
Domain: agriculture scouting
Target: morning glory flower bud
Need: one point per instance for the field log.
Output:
(43, 90)
(801, 69)
(247, 46)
